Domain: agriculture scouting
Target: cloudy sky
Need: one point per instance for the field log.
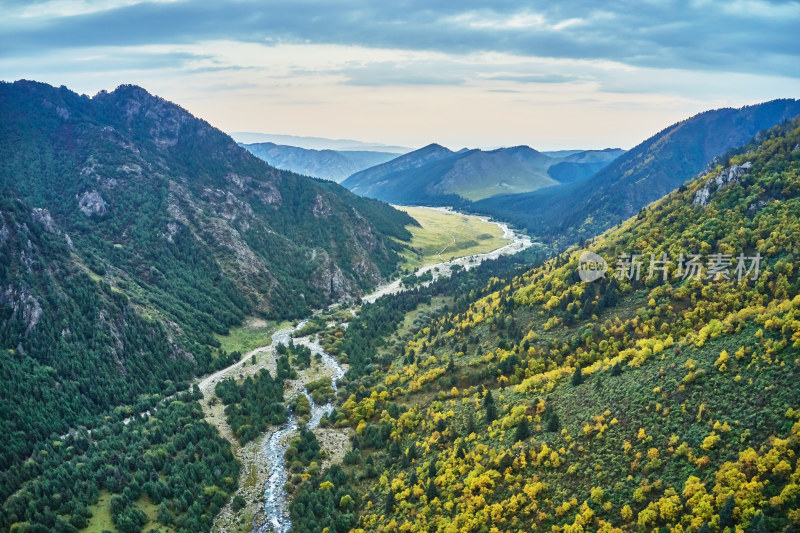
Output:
(569, 74)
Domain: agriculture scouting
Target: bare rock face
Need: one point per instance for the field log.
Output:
(269, 194)
(166, 119)
(266, 191)
(21, 300)
(91, 203)
(4, 231)
(366, 269)
(732, 174)
(330, 279)
(320, 208)
(62, 113)
(42, 216)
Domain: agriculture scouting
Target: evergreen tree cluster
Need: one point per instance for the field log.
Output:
(171, 458)
(253, 406)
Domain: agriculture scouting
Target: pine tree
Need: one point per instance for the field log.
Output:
(757, 524)
(490, 407)
(470, 422)
(553, 423)
(726, 513)
(577, 377)
(523, 430)
(432, 491)
(389, 504)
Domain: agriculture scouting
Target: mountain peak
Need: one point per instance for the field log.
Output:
(132, 90)
(520, 148)
(184, 234)
(431, 148)
(659, 164)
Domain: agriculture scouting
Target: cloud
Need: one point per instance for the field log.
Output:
(741, 36)
(531, 71)
(37, 9)
(537, 78)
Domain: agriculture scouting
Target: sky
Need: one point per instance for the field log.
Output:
(549, 74)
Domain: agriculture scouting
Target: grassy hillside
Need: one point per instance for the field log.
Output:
(434, 175)
(543, 403)
(478, 174)
(442, 236)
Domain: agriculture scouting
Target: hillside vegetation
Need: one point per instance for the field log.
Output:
(434, 175)
(543, 403)
(166, 469)
(132, 235)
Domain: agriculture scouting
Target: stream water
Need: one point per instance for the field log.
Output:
(275, 501)
(274, 448)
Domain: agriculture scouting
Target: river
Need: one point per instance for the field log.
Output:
(275, 516)
(275, 500)
(518, 243)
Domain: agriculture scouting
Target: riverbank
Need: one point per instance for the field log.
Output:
(518, 242)
(443, 235)
(262, 459)
(263, 473)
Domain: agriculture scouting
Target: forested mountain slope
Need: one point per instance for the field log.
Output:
(434, 175)
(578, 210)
(630, 403)
(370, 182)
(582, 165)
(130, 232)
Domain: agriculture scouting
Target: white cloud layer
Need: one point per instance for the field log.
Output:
(549, 74)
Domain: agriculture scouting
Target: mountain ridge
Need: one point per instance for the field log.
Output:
(579, 210)
(132, 233)
(315, 143)
(436, 175)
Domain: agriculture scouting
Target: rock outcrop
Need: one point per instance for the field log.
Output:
(731, 174)
(91, 203)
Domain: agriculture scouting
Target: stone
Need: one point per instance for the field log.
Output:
(91, 203)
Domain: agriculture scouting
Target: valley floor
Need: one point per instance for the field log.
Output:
(510, 242)
(333, 441)
(444, 235)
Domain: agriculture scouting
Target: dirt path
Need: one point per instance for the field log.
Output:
(254, 467)
(214, 410)
(448, 246)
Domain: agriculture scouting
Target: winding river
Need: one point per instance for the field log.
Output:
(275, 501)
(275, 445)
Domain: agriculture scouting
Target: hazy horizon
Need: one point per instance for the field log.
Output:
(310, 142)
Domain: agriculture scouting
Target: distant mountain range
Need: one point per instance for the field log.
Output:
(579, 208)
(436, 175)
(315, 143)
(333, 165)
